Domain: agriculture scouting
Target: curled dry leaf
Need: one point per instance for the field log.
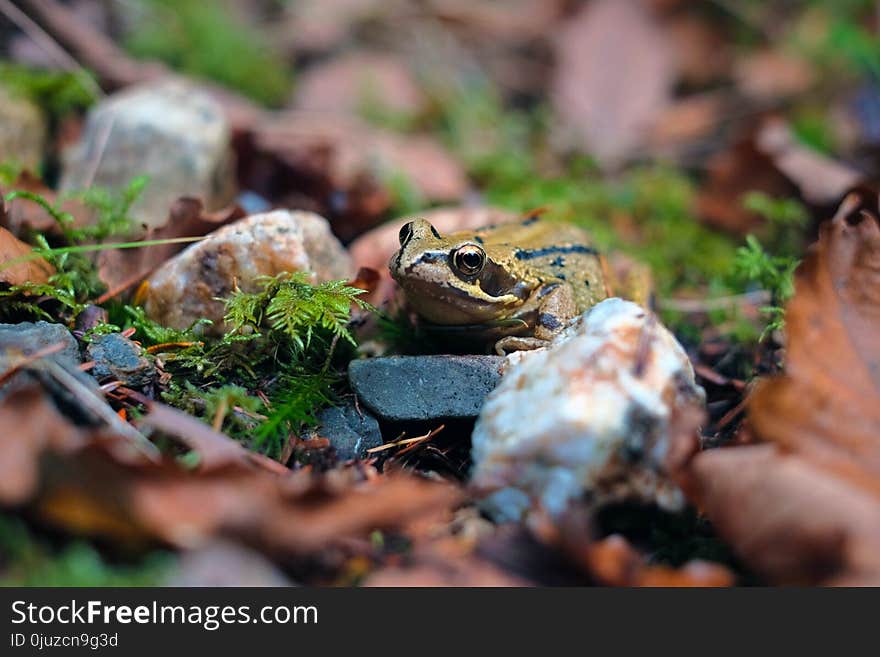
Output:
(83, 483)
(827, 404)
(806, 509)
(614, 76)
(16, 271)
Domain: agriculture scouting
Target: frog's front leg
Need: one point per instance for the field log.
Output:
(555, 306)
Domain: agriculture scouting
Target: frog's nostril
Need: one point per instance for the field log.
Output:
(405, 233)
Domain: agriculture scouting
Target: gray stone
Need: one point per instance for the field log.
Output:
(22, 130)
(351, 433)
(407, 388)
(168, 130)
(117, 357)
(28, 338)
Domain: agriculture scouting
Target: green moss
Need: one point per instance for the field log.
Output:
(57, 93)
(205, 40)
(30, 559)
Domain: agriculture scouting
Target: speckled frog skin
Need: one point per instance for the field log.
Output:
(516, 283)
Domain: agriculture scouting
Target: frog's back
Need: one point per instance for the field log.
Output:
(553, 250)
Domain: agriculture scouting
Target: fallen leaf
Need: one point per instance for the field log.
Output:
(24, 215)
(805, 509)
(770, 75)
(89, 486)
(16, 271)
(733, 173)
(827, 404)
(788, 519)
(216, 450)
(514, 21)
(820, 179)
(702, 51)
(770, 160)
(614, 76)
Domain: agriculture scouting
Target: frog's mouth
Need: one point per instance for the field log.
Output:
(445, 304)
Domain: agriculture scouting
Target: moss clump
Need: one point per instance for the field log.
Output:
(205, 40)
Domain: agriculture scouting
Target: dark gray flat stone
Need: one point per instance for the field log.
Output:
(30, 337)
(407, 388)
(119, 358)
(350, 433)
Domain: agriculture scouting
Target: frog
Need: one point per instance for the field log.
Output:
(516, 284)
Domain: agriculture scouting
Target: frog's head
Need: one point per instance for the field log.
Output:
(454, 279)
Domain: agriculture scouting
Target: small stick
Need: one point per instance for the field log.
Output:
(42, 38)
(407, 441)
(97, 406)
(718, 303)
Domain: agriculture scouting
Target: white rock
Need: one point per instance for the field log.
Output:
(169, 130)
(587, 417)
(187, 287)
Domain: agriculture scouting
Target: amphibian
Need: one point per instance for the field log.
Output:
(517, 283)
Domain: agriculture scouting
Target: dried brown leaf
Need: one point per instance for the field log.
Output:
(14, 270)
(84, 483)
(806, 509)
(827, 404)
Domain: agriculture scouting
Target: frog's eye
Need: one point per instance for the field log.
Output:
(469, 259)
(405, 233)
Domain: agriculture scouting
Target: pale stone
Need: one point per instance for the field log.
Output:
(168, 130)
(189, 286)
(586, 418)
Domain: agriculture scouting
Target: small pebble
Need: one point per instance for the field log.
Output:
(117, 357)
(169, 130)
(350, 432)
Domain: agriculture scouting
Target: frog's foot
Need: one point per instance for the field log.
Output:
(513, 343)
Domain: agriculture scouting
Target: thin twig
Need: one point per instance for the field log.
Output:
(52, 48)
(97, 406)
(407, 441)
(95, 162)
(758, 297)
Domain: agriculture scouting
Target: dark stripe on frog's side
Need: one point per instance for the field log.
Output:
(530, 254)
(530, 220)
